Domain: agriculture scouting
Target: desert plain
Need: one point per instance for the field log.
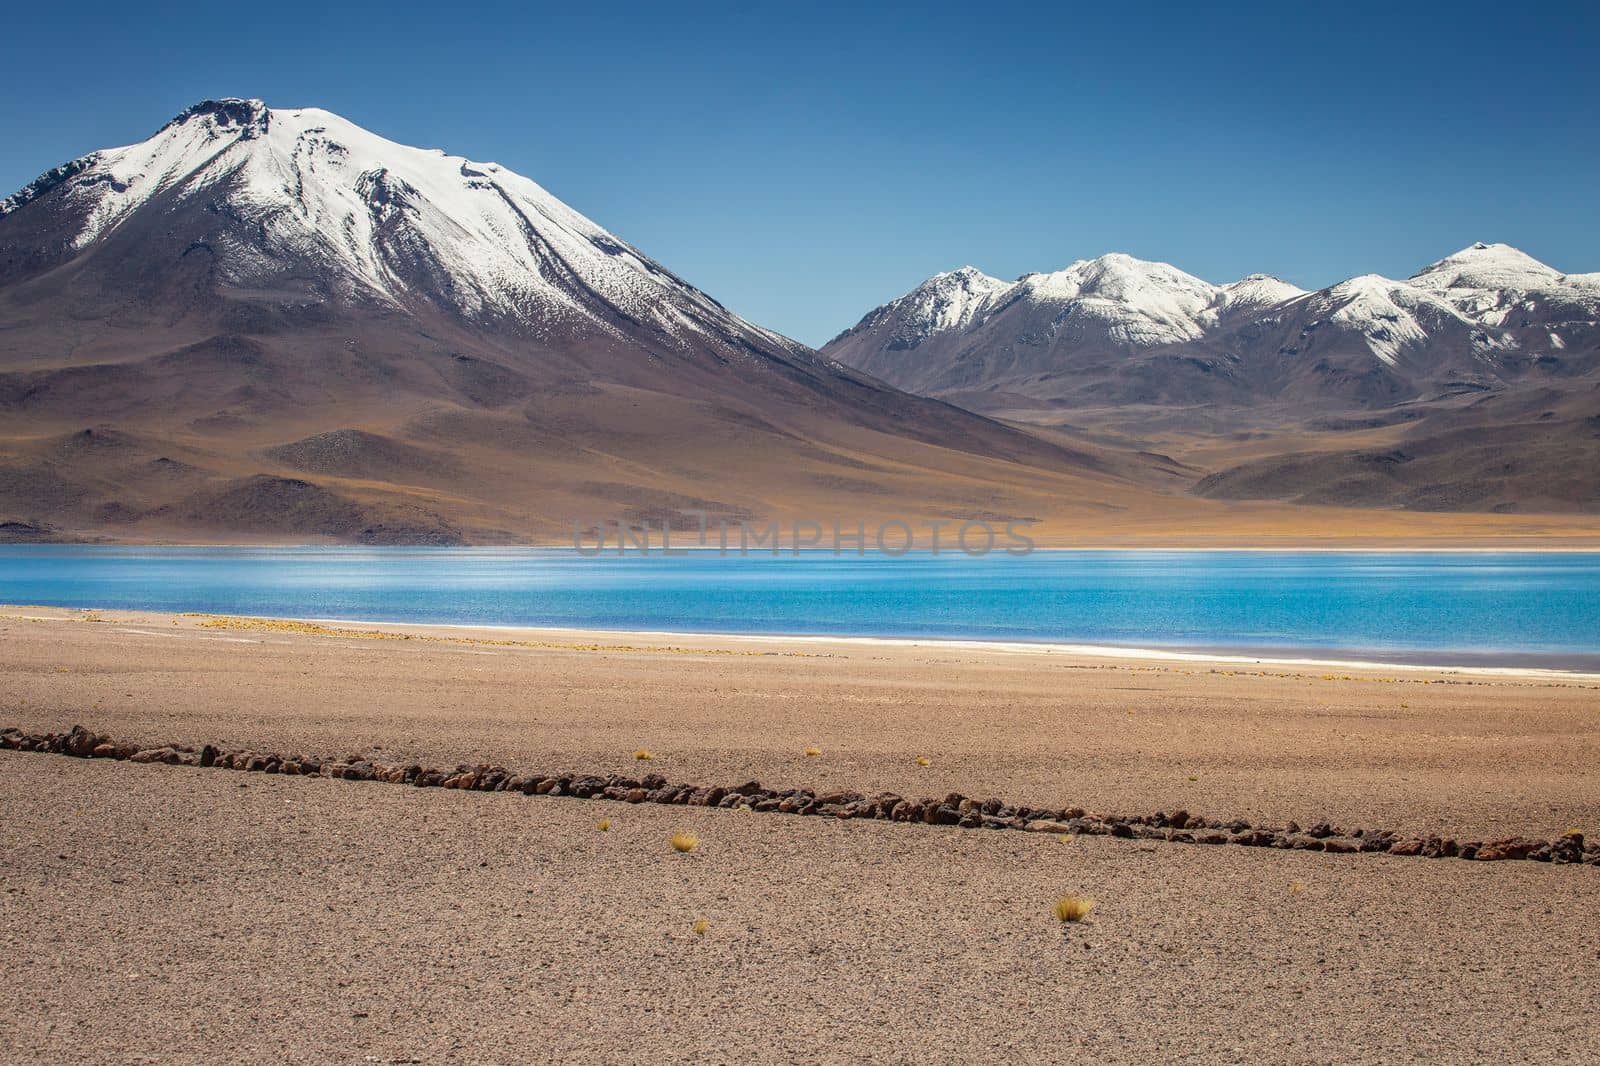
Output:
(178, 913)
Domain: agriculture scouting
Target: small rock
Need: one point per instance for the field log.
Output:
(1509, 848)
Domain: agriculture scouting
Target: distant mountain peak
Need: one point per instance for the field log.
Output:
(1258, 291)
(968, 278)
(1487, 266)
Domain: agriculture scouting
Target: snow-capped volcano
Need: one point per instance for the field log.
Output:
(1122, 329)
(303, 199)
(272, 321)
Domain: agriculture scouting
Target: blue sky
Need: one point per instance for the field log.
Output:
(803, 163)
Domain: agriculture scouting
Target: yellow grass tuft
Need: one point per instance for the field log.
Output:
(812, 753)
(1073, 908)
(1297, 887)
(644, 754)
(1573, 831)
(923, 760)
(604, 824)
(701, 926)
(1065, 838)
(685, 842)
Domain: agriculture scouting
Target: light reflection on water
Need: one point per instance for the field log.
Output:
(1537, 608)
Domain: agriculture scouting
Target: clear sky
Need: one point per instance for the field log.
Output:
(805, 162)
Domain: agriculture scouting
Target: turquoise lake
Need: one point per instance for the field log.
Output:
(1525, 609)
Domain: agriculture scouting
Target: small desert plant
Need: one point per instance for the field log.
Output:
(701, 926)
(1297, 887)
(1065, 838)
(685, 842)
(604, 824)
(1073, 908)
(812, 753)
(923, 760)
(644, 754)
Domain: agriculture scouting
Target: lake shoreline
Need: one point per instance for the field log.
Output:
(1508, 545)
(1484, 664)
(1242, 657)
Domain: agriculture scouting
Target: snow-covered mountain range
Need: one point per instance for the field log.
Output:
(271, 323)
(1119, 329)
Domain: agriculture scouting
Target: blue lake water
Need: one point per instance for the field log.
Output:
(1538, 609)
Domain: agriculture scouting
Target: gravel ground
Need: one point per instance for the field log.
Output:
(157, 913)
(1417, 752)
(154, 913)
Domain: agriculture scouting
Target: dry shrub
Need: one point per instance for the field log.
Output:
(1073, 908)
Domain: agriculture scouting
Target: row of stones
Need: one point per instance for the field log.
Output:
(953, 810)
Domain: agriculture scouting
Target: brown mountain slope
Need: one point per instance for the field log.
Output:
(271, 325)
(268, 324)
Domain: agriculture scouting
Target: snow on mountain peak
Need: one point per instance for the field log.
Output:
(948, 300)
(1140, 302)
(391, 222)
(1388, 314)
(1258, 291)
(1487, 282)
(967, 280)
(250, 117)
(1486, 266)
(1121, 326)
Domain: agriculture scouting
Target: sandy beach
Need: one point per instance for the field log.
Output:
(171, 911)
